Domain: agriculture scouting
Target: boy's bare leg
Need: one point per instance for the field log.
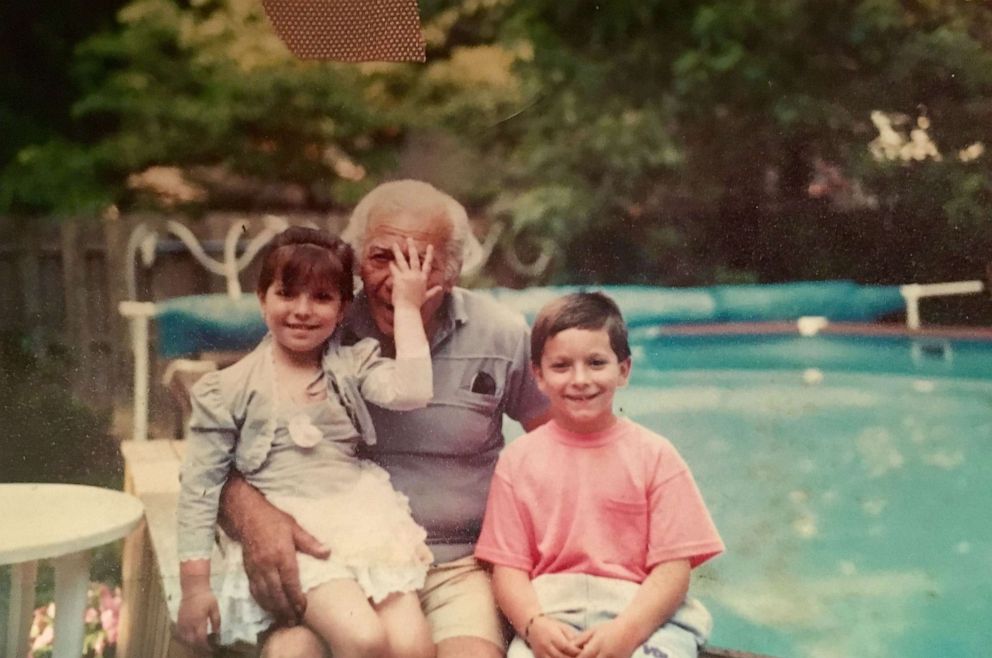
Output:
(407, 632)
(339, 612)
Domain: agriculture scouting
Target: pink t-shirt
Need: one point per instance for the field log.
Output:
(614, 503)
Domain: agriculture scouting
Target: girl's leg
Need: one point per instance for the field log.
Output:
(339, 612)
(295, 642)
(408, 635)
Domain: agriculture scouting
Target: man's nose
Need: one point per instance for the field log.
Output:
(580, 375)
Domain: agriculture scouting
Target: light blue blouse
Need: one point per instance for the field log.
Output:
(235, 420)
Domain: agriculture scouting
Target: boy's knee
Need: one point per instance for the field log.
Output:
(296, 642)
(670, 641)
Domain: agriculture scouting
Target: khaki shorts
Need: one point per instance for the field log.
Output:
(457, 599)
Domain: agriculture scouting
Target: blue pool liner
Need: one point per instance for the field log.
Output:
(839, 301)
(208, 323)
(198, 323)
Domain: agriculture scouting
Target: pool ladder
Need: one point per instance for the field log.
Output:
(914, 292)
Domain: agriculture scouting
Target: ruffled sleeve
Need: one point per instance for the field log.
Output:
(399, 384)
(209, 454)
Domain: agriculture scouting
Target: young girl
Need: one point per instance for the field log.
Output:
(594, 522)
(289, 417)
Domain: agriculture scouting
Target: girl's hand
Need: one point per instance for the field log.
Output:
(611, 639)
(410, 278)
(195, 610)
(550, 638)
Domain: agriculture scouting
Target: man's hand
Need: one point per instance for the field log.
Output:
(410, 276)
(550, 638)
(270, 539)
(611, 639)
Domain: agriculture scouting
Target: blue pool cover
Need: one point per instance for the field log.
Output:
(187, 325)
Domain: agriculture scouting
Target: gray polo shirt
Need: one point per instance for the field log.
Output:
(442, 457)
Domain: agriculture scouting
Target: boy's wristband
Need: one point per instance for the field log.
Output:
(528, 625)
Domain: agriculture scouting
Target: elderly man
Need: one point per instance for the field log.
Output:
(441, 457)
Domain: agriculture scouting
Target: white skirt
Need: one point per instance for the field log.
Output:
(373, 541)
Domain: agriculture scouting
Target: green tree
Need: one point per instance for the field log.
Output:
(693, 141)
(657, 142)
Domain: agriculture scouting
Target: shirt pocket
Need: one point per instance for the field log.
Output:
(623, 530)
(482, 403)
(475, 383)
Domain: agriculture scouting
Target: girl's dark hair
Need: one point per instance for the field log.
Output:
(581, 310)
(301, 257)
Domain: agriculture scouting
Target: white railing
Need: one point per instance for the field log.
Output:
(142, 245)
(914, 292)
(142, 242)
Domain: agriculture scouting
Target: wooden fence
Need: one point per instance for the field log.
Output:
(58, 291)
(62, 281)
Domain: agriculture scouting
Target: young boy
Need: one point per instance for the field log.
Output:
(593, 522)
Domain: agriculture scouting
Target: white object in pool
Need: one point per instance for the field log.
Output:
(812, 376)
(810, 325)
(923, 386)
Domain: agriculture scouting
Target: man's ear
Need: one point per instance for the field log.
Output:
(625, 367)
(452, 280)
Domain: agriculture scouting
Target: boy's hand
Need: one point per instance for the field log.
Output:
(410, 278)
(611, 639)
(195, 610)
(550, 638)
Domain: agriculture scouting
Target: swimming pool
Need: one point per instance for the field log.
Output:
(849, 477)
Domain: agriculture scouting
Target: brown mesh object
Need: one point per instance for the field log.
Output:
(349, 30)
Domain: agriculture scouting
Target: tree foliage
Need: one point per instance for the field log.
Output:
(704, 140)
(660, 142)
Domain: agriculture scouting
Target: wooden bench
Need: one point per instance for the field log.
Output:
(151, 566)
(150, 563)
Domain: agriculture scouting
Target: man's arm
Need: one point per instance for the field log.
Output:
(270, 539)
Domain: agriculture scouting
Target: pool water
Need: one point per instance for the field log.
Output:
(855, 511)
(855, 505)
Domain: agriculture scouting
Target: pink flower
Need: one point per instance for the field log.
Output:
(106, 598)
(39, 622)
(109, 620)
(45, 639)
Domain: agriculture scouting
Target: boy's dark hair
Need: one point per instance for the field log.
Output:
(302, 256)
(581, 310)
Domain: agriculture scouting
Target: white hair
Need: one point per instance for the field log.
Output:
(463, 253)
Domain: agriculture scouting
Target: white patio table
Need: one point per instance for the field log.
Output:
(61, 522)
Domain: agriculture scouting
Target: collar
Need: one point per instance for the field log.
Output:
(590, 439)
(358, 320)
